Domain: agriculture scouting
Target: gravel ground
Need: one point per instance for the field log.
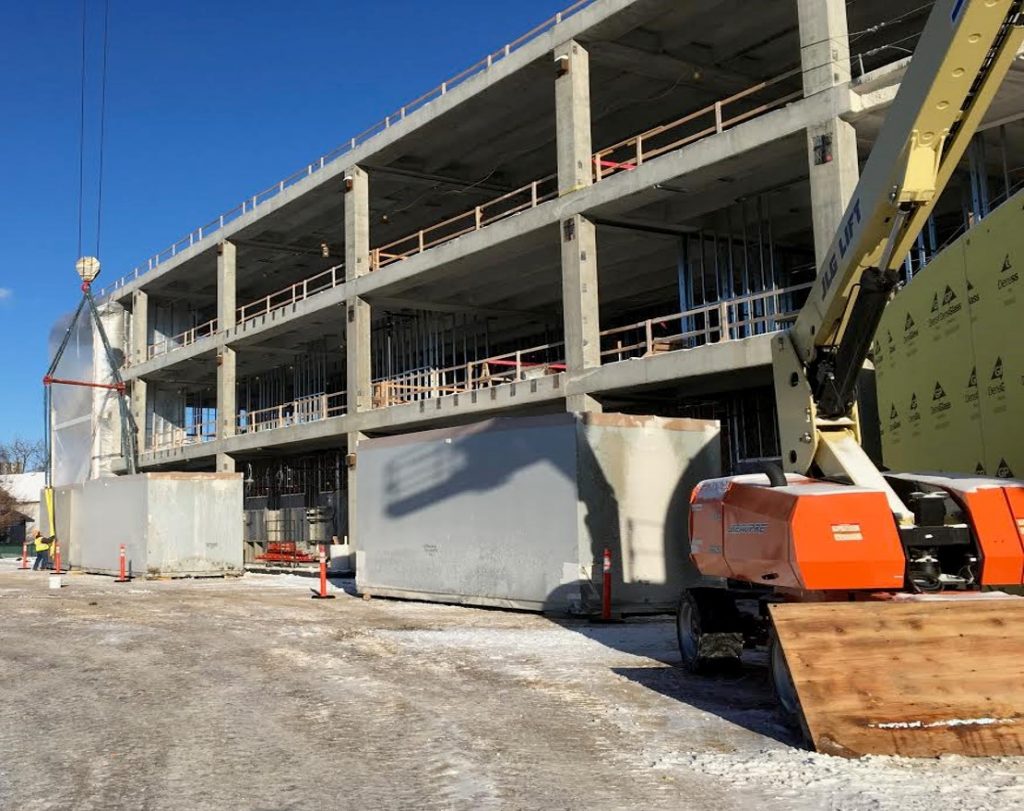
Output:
(245, 694)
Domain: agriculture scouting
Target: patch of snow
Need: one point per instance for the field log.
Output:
(953, 596)
(952, 722)
(335, 586)
(812, 780)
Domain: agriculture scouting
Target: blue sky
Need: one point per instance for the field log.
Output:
(207, 102)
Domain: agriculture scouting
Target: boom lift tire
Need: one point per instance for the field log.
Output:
(709, 631)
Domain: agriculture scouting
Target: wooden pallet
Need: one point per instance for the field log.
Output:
(918, 678)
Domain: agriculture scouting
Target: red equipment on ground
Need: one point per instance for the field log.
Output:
(286, 552)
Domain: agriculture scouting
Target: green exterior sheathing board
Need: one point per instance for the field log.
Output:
(949, 356)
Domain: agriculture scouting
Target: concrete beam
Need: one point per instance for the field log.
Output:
(439, 307)
(140, 327)
(572, 117)
(542, 393)
(357, 223)
(723, 366)
(227, 406)
(227, 285)
(739, 357)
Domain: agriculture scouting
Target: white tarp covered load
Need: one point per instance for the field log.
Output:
(85, 423)
(71, 406)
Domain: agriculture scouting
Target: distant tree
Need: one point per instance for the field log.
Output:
(22, 455)
(9, 516)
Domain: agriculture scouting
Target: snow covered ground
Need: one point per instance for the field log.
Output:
(247, 694)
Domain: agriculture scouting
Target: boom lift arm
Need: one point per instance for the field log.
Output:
(963, 55)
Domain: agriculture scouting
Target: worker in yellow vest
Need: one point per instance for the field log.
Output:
(42, 548)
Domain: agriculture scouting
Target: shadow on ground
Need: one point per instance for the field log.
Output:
(743, 697)
(345, 584)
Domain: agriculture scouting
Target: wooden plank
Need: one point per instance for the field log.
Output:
(917, 678)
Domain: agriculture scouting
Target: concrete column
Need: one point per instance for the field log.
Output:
(166, 414)
(357, 223)
(357, 355)
(572, 117)
(834, 172)
(227, 406)
(581, 320)
(824, 44)
(832, 147)
(226, 285)
(140, 326)
(139, 413)
(225, 463)
(350, 487)
(357, 310)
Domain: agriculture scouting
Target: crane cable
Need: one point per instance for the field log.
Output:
(87, 297)
(81, 135)
(82, 127)
(103, 125)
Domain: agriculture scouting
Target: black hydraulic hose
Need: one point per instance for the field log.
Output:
(776, 478)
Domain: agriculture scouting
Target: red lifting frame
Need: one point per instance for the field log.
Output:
(118, 387)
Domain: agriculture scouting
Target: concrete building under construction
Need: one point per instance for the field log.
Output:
(610, 213)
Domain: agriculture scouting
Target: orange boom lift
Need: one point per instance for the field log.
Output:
(871, 590)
